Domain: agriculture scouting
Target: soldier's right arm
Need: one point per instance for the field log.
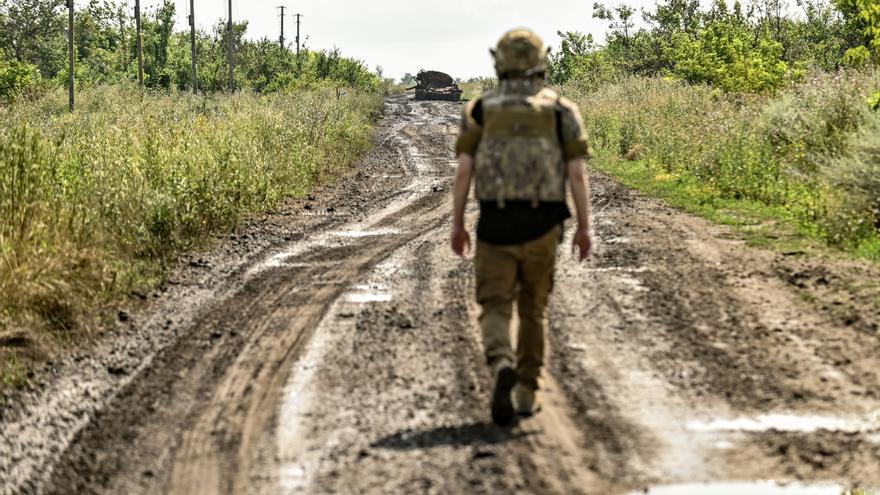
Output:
(579, 184)
(465, 147)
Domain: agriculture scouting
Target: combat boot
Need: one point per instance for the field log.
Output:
(525, 399)
(505, 379)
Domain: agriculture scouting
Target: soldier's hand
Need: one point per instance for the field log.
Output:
(461, 241)
(583, 243)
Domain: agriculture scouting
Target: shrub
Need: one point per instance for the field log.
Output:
(725, 55)
(17, 78)
(855, 176)
(812, 122)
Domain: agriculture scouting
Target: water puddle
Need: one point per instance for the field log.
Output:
(354, 234)
(627, 269)
(292, 475)
(786, 423)
(368, 297)
(743, 487)
(616, 240)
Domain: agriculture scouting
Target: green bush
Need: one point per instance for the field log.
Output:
(726, 55)
(811, 123)
(17, 78)
(581, 61)
(855, 177)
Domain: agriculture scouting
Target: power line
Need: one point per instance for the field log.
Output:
(139, 42)
(192, 37)
(70, 49)
(230, 49)
(297, 32)
(281, 39)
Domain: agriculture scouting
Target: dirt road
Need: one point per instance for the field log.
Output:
(331, 347)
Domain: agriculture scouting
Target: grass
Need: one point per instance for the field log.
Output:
(97, 203)
(474, 88)
(757, 223)
(12, 373)
(804, 161)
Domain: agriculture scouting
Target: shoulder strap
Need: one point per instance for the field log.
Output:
(477, 112)
(559, 121)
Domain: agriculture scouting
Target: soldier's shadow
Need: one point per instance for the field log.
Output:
(472, 434)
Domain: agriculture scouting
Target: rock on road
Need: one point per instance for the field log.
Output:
(332, 347)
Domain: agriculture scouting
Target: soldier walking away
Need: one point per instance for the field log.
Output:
(521, 144)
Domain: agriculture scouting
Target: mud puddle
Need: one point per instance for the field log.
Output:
(787, 423)
(743, 488)
(356, 233)
(368, 297)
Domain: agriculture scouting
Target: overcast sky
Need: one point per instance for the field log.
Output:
(405, 35)
(400, 35)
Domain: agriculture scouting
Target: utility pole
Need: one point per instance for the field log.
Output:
(139, 43)
(192, 41)
(297, 32)
(70, 50)
(281, 40)
(230, 49)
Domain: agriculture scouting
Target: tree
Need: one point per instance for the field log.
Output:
(16, 78)
(726, 55)
(620, 19)
(580, 58)
(673, 16)
(157, 32)
(34, 31)
(865, 15)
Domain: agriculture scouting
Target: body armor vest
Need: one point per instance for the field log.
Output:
(520, 155)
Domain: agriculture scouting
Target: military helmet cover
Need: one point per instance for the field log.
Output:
(520, 53)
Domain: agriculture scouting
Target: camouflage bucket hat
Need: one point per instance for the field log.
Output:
(520, 52)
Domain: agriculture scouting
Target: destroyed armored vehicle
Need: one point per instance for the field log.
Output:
(434, 85)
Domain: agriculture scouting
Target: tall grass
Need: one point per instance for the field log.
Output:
(95, 203)
(810, 150)
(477, 86)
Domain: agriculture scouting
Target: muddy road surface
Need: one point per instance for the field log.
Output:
(331, 347)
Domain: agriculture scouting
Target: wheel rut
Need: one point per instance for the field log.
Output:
(201, 412)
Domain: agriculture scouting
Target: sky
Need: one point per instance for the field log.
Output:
(403, 36)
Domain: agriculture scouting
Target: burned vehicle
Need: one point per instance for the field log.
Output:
(435, 85)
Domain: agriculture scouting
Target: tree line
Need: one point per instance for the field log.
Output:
(752, 47)
(33, 52)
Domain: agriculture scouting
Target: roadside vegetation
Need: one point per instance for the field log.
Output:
(97, 203)
(741, 113)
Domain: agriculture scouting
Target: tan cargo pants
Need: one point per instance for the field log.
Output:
(521, 272)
